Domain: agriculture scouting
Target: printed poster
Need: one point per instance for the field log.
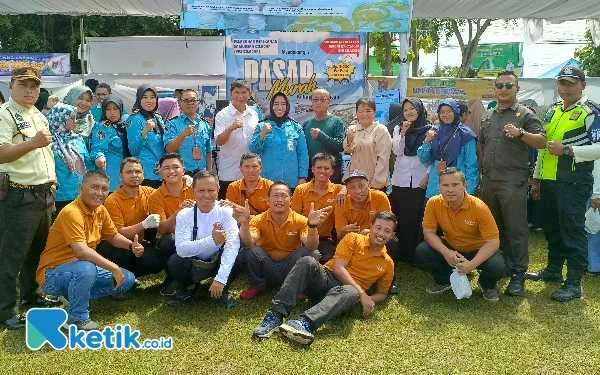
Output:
(50, 64)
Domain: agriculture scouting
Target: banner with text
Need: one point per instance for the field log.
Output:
(496, 58)
(296, 63)
(383, 100)
(50, 64)
(297, 15)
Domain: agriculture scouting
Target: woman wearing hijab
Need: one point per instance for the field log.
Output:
(449, 144)
(370, 144)
(109, 140)
(280, 142)
(410, 176)
(70, 153)
(168, 108)
(81, 97)
(145, 134)
(476, 113)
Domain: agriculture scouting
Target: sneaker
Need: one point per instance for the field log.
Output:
(393, 289)
(546, 275)
(183, 298)
(567, 292)
(16, 322)
(83, 325)
(490, 295)
(169, 288)
(269, 325)
(298, 330)
(41, 301)
(438, 288)
(516, 285)
(251, 292)
(227, 301)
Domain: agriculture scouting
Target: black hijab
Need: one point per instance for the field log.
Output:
(42, 101)
(119, 125)
(416, 133)
(148, 114)
(286, 116)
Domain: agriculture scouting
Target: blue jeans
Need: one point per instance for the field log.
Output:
(81, 281)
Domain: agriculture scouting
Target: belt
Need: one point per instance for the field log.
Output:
(42, 187)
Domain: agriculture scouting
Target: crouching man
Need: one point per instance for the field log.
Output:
(71, 267)
(360, 261)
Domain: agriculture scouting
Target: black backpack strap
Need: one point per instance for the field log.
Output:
(195, 230)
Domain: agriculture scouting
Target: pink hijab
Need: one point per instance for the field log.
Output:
(168, 108)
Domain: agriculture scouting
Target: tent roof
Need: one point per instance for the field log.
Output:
(553, 10)
(553, 73)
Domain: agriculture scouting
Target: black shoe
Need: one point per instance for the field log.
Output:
(227, 301)
(16, 322)
(545, 275)
(183, 298)
(41, 301)
(567, 292)
(120, 297)
(516, 285)
(393, 289)
(169, 288)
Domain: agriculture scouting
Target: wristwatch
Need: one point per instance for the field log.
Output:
(521, 133)
(311, 226)
(567, 151)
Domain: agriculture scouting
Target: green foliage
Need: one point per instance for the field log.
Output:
(446, 71)
(60, 34)
(382, 49)
(589, 56)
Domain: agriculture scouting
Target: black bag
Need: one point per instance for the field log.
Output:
(202, 267)
(4, 181)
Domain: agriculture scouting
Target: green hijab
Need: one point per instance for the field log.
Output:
(85, 121)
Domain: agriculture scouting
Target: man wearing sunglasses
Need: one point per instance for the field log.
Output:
(563, 181)
(506, 133)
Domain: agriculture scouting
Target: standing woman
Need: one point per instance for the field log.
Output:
(70, 153)
(449, 144)
(145, 134)
(280, 142)
(370, 144)
(109, 140)
(81, 97)
(410, 176)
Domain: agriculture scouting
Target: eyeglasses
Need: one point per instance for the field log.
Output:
(509, 85)
(446, 112)
(322, 100)
(190, 101)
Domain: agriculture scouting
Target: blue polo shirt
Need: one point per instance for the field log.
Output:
(201, 138)
(149, 149)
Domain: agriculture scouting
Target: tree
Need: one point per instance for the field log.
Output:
(589, 56)
(446, 71)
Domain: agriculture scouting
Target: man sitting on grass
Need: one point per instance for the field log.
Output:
(471, 238)
(360, 261)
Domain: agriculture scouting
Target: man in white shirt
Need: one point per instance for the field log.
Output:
(233, 131)
(207, 241)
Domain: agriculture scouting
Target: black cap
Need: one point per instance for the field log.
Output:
(572, 73)
(356, 173)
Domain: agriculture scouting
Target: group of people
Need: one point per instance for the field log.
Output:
(86, 206)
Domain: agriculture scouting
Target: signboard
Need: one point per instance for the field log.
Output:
(441, 88)
(296, 63)
(497, 58)
(297, 15)
(383, 100)
(50, 64)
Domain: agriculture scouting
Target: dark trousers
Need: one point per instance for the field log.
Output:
(330, 296)
(148, 264)
(185, 273)
(166, 249)
(59, 206)
(408, 206)
(508, 203)
(223, 185)
(326, 248)
(564, 206)
(152, 183)
(433, 262)
(336, 177)
(25, 219)
(262, 269)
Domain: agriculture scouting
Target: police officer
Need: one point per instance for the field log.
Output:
(563, 181)
(28, 184)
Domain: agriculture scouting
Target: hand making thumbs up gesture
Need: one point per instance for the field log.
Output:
(219, 235)
(136, 247)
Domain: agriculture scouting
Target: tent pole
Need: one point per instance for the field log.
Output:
(82, 36)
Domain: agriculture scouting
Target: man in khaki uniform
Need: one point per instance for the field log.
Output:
(28, 180)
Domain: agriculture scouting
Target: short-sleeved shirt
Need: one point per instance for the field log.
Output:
(279, 241)
(507, 159)
(377, 201)
(166, 205)
(364, 267)
(465, 230)
(330, 139)
(20, 124)
(75, 223)
(126, 211)
(305, 194)
(237, 192)
(201, 138)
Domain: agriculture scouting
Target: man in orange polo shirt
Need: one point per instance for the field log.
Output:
(71, 267)
(172, 196)
(360, 262)
(128, 209)
(321, 193)
(276, 239)
(251, 187)
(471, 238)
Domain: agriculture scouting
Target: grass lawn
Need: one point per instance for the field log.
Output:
(411, 333)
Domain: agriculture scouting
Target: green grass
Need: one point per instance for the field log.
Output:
(412, 333)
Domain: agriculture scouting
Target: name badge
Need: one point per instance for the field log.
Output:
(290, 145)
(197, 153)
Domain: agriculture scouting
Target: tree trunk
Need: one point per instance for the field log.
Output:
(413, 45)
(387, 41)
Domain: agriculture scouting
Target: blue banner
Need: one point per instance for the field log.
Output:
(297, 15)
(296, 63)
(383, 100)
(50, 64)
